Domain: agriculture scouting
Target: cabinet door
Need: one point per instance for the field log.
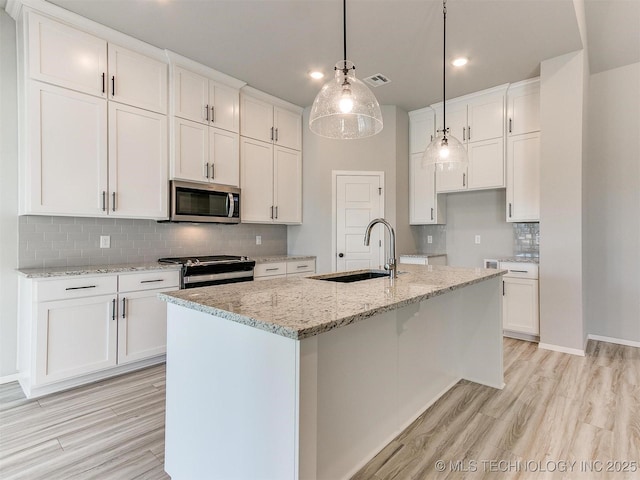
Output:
(224, 157)
(456, 120)
(523, 109)
(190, 95)
(421, 130)
(137, 162)
(452, 180)
(64, 56)
(287, 185)
(288, 128)
(520, 306)
(486, 118)
(67, 152)
(142, 325)
(225, 107)
(137, 80)
(256, 119)
(422, 194)
(486, 164)
(523, 178)
(256, 181)
(75, 337)
(191, 151)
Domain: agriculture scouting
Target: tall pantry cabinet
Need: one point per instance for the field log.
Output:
(94, 141)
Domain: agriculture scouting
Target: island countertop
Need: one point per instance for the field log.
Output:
(303, 307)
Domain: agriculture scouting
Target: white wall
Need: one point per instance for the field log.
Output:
(561, 110)
(613, 204)
(321, 156)
(8, 196)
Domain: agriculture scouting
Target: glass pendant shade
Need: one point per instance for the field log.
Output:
(446, 153)
(345, 108)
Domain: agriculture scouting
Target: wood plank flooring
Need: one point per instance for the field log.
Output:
(555, 408)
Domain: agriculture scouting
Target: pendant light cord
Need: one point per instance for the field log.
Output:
(444, 65)
(344, 33)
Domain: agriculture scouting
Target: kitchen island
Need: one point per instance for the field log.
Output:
(304, 378)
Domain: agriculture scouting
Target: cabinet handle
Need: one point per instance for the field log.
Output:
(509, 210)
(272, 134)
(272, 269)
(464, 131)
(276, 134)
(518, 271)
(432, 138)
(104, 201)
(206, 169)
(80, 288)
(468, 133)
(123, 307)
(213, 114)
(113, 86)
(272, 212)
(103, 79)
(509, 125)
(206, 112)
(152, 281)
(503, 288)
(113, 202)
(276, 213)
(113, 309)
(464, 179)
(431, 213)
(302, 266)
(213, 171)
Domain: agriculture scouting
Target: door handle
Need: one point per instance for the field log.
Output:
(272, 134)
(469, 133)
(509, 125)
(276, 134)
(341, 255)
(271, 212)
(509, 210)
(464, 179)
(276, 213)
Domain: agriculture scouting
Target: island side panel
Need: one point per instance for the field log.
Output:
(231, 399)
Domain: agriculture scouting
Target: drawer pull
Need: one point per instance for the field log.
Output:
(302, 266)
(272, 269)
(80, 288)
(152, 281)
(519, 271)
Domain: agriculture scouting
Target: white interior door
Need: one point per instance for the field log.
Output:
(359, 200)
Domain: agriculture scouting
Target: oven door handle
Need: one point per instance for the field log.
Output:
(217, 276)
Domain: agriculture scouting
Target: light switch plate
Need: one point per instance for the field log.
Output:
(105, 241)
(477, 239)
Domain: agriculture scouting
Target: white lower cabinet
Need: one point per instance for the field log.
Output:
(520, 302)
(77, 330)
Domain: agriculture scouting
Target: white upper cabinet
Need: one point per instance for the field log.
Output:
(200, 99)
(67, 57)
(137, 163)
(137, 80)
(287, 185)
(421, 129)
(523, 108)
(267, 122)
(523, 152)
(485, 115)
(224, 157)
(67, 153)
(256, 177)
(484, 171)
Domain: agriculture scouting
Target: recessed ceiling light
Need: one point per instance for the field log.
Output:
(459, 62)
(316, 75)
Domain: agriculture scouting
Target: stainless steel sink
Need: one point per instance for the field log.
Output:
(349, 277)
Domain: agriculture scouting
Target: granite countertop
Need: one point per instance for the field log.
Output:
(303, 307)
(520, 259)
(423, 255)
(93, 270)
(282, 258)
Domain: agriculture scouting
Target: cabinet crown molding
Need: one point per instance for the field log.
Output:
(175, 59)
(278, 102)
(524, 83)
(498, 90)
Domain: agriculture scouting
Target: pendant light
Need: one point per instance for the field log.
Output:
(445, 151)
(345, 108)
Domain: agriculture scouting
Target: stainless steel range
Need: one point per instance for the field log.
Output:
(212, 270)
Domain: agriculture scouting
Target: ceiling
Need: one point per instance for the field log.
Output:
(273, 44)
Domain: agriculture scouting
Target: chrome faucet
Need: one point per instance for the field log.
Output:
(391, 263)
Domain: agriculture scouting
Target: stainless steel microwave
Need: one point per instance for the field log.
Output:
(204, 203)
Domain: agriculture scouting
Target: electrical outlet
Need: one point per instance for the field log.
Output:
(258, 239)
(477, 239)
(429, 239)
(105, 241)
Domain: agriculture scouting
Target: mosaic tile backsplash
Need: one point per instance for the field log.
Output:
(73, 241)
(526, 239)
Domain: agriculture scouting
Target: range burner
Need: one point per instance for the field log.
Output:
(204, 270)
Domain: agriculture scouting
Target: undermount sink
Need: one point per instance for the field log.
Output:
(349, 277)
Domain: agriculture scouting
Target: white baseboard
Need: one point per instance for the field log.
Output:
(618, 341)
(558, 348)
(9, 378)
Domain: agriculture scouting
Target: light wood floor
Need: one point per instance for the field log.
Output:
(555, 407)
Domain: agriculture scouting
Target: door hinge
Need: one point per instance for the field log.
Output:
(379, 190)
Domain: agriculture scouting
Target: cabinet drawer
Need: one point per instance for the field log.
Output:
(270, 269)
(148, 280)
(301, 266)
(76, 287)
(520, 270)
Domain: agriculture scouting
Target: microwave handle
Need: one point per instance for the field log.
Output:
(230, 204)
